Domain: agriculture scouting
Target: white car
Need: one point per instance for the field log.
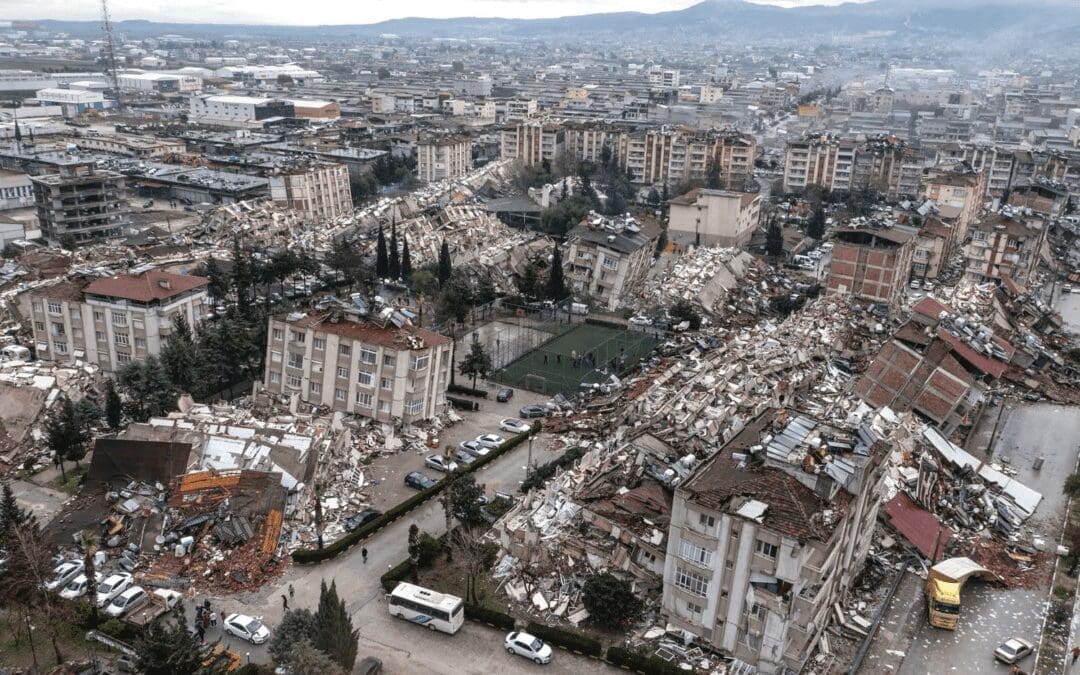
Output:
(247, 628)
(1013, 650)
(474, 448)
(112, 586)
(63, 574)
(440, 463)
(640, 321)
(514, 425)
(529, 646)
(133, 598)
(490, 440)
(76, 588)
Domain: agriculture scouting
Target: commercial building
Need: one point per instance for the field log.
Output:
(606, 258)
(1004, 244)
(318, 190)
(871, 265)
(227, 109)
(128, 145)
(704, 217)
(16, 190)
(114, 321)
(73, 101)
(532, 142)
(443, 157)
(159, 83)
(767, 535)
(80, 201)
(385, 369)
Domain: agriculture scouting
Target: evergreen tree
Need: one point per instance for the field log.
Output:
(529, 282)
(11, 514)
(406, 260)
(169, 649)
(611, 601)
(304, 657)
(456, 298)
(218, 286)
(114, 407)
(243, 275)
(67, 435)
(343, 259)
(382, 262)
(556, 284)
(296, 625)
(334, 633)
(712, 179)
(180, 357)
(774, 239)
(654, 197)
(485, 290)
(816, 227)
(663, 194)
(395, 256)
(476, 363)
(465, 500)
(148, 389)
(446, 268)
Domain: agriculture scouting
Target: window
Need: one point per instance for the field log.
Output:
(75, 313)
(60, 347)
(365, 379)
(344, 350)
(729, 564)
(39, 326)
(751, 641)
(319, 343)
(339, 394)
(611, 263)
(316, 366)
(140, 343)
(694, 553)
(316, 388)
(293, 381)
(389, 361)
(766, 549)
(734, 531)
(101, 336)
(342, 371)
(414, 407)
(275, 377)
(37, 306)
(57, 328)
(297, 336)
(121, 338)
(123, 358)
(275, 356)
(706, 521)
(279, 334)
(54, 307)
(693, 583)
(119, 319)
(138, 323)
(367, 356)
(363, 399)
(386, 383)
(693, 608)
(757, 611)
(384, 406)
(99, 316)
(296, 360)
(420, 362)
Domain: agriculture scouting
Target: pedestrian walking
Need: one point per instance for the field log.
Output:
(363, 554)
(201, 632)
(284, 602)
(292, 592)
(1075, 653)
(213, 619)
(223, 618)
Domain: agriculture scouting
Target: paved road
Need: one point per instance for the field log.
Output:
(43, 502)
(403, 647)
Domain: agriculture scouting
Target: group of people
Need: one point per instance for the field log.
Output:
(206, 618)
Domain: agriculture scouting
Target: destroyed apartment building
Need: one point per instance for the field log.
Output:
(708, 278)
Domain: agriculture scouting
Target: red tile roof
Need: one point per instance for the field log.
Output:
(151, 285)
(932, 308)
(391, 336)
(982, 363)
(918, 526)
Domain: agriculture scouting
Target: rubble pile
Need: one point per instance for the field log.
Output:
(717, 280)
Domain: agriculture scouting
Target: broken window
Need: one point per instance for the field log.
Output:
(757, 611)
(706, 521)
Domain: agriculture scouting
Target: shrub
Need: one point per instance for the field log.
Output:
(576, 642)
(429, 549)
(611, 601)
(463, 403)
(466, 391)
(544, 472)
(117, 629)
(395, 575)
(641, 663)
(489, 616)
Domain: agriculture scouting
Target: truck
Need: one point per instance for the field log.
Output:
(162, 600)
(943, 585)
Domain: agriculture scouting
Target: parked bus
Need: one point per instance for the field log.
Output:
(437, 611)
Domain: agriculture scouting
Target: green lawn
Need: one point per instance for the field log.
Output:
(550, 368)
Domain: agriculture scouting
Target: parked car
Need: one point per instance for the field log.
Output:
(474, 448)
(370, 665)
(464, 458)
(63, 574)
(514, 425)
(127, 601)
(1012, 650)
(504, 394)
(419, 481)
(357, 520)
(640, 321)
(532, 410)
(76, 588)
(247, 628)
(490, 440)
(440, 463)
(529, 646)
(112, 586)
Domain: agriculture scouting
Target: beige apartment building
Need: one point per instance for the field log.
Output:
(1004, 244)
(532, 142)
(443, 157)
(958, 193)
(819, 160)
(113, 321)
(608, 258)
(317, 190)
(359, 365)
(704, 217)
(768, 534)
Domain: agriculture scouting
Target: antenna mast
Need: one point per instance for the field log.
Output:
(110, 46)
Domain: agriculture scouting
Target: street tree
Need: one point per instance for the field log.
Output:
(712, 178)
(477, 363)
(556, 284)
(218, 286)
(170, 649)
(304, 657)
(816, 227)
(243, 275)
(180, 358)
(611, 601)
(22, 584)
(414, 550)
(90, 546)
(296, 625)
(466, 494)
(654, 197)
(774, 240)
(12, 515)
(456, 298)
(485, 290)
(473, 555)
(382, 260)
(334, 633)
(147, 388)
(66, 435)
(529, 282)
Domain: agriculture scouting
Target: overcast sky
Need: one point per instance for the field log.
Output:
(306, 12)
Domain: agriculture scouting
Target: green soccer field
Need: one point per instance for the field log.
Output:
(551, 368)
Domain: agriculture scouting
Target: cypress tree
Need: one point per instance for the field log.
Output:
(445, 266)
(556, 285)
(406, 261)
(382, 264)
(334, 634)
(395, 257)
(114, 409)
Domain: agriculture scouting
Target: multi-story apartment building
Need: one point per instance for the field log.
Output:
(442, 157)
(871, 265)
(80, 201)
(672, 155)
(516, 109)
(586, 141)
(532, 142)
(319, 191)
(1004, 244)
(113, 321)
(607, 258)
(998, 164)
(705, 217)
(822, 160)
(355, 364)
(959, 190)
(768, 534)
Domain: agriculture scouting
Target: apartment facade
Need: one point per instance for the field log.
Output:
(957, 188)
(768, 534)
(819, 160)
(532, 142)
(114, 321)
(80, 201)
(16, 190)
(1004, 244)
(319, 190)
(871, 265)
(704, 217)
(355, 365)
(443, 157)
(606, 258)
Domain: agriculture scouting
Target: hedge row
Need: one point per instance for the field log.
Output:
(576, 642)
(313, 555)
(466, 391)
(641, 663)
(463, 403)
(489, 616)
(606, 323)
(542, 473)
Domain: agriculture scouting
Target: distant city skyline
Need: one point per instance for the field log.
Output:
(316, 12)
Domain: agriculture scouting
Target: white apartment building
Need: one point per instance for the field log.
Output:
(442, 157)
(113, 321)
(354, 364)
(319, 190)
(704, 217)
(608, 258)
(531, 143)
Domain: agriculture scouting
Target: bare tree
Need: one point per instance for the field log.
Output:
(23, 583)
